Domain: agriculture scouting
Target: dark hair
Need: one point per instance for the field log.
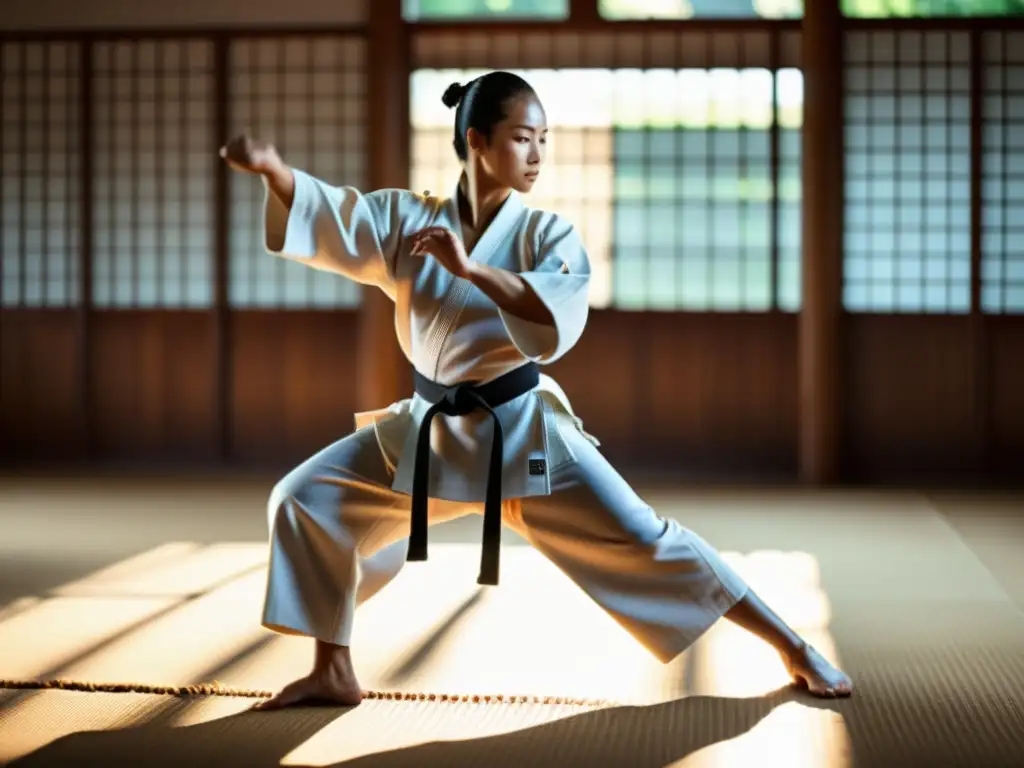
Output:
(482, 104)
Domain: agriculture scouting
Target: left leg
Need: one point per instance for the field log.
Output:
(662, 582)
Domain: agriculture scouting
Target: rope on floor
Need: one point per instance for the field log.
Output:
(216, 689)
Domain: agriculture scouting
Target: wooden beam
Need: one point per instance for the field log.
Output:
(819, 353)
(584, 12)
(222, 362)
(381, 369)
(86, 140)
(980, 358)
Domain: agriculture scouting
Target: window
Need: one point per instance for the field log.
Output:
(667, 173)
(307, 96)
(908, 209)
(1002, 233)
(39, 171)
(897, 8)
(445, 10)
(687, 9)
(789, 101)
(153, 186)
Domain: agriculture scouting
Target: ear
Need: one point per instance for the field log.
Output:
(475, 141)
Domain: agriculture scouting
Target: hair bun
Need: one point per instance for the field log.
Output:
(453, 95)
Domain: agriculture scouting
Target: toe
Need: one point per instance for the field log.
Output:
(273, 703)
(289, 695)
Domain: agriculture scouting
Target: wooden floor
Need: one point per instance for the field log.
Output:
(159, 582)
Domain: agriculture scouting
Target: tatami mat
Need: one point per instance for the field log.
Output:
(886, 584)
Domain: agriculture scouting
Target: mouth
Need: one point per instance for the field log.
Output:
(532, 175)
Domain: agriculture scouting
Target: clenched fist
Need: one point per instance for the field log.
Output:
(246, 154)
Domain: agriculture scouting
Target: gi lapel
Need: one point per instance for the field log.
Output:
(498, 233)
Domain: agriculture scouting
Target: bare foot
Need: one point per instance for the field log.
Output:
(810, 670)
(316, 689)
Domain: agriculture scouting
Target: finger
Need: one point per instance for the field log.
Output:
(426, 234)
(425, 243)
(434, 232)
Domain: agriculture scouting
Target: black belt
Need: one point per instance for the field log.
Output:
(460, 400)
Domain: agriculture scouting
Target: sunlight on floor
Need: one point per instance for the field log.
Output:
(732, 662)
(47, 635)
(112, 636)
(183, 613)
(176, 569)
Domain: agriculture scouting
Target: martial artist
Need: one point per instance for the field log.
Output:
(486, 290)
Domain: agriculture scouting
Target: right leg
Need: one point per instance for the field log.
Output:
(337, 536)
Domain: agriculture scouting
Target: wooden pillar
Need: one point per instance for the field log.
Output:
(584, 12)
(382, 371)
(979, 355)
(86, 381)
(223, 362)
(819, 351)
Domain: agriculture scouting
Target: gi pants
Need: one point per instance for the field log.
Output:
(338, 534)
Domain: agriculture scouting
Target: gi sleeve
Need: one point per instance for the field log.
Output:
(337, 229)
(561, 279)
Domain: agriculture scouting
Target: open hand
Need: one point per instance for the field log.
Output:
(444, 246)
(246, 154)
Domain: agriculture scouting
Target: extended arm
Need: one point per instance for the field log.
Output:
(281, 181)
(330, 228)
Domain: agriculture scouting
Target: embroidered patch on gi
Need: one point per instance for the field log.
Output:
(537, 466)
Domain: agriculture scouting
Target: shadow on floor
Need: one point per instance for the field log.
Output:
(639, 737)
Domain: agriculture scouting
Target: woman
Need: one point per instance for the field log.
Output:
(485, 290)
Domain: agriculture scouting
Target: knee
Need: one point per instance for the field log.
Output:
(643, 527)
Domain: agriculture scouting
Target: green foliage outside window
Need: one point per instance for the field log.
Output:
(938, 8)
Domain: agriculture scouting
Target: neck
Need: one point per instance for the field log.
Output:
(481, 195)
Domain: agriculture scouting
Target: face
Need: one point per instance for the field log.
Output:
(518, 145)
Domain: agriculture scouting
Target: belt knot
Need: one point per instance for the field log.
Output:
(460, 400)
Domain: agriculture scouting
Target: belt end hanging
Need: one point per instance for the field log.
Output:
(488, 579)
(417, 553)
(489, 568)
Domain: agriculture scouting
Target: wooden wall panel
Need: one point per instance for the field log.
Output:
(1006, 424)
(722, 392)
(39, 384)
(687, 393)
(599, 377)
(294, 383)
(907, 397)
(154, 386)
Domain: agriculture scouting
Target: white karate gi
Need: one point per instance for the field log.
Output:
(339, 521)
